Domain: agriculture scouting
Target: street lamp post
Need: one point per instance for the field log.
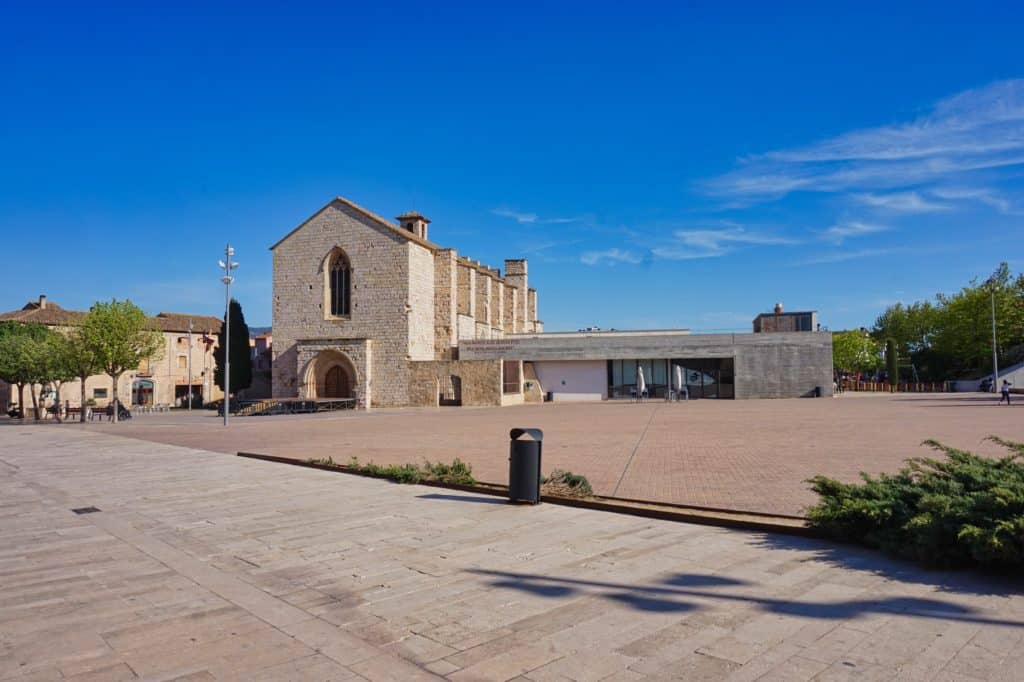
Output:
(190, 364)
(995, 358)
(227, 279)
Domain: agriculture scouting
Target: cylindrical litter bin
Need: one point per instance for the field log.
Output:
(524, 466)
(817, 391)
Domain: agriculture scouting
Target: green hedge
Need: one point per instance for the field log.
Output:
(458, 472)
(964, 510)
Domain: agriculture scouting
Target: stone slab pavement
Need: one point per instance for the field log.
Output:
(200, 566)
(748, 455)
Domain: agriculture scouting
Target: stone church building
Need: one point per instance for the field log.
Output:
(371, 309)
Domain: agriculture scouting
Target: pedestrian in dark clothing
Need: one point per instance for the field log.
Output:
(1005, 389)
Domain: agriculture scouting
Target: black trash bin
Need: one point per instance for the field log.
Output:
(817, 391)
(524, 466)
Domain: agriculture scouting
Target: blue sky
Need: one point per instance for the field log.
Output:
(660, 164)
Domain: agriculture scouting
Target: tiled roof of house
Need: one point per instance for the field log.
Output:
(178, 322)
(52, 315)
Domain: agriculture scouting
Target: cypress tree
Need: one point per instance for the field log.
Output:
(892, 361)
(241, 359)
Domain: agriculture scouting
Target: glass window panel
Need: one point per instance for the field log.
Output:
(660, 372)
(629, 372)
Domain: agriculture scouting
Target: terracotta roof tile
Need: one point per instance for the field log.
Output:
(55, 316)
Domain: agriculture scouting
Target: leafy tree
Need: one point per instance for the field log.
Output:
(57, 363)
(854, 351)
(82, 362)
(118, 335)
(21, 348)
(953, 336)
(241, 358)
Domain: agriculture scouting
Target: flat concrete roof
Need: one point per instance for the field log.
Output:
(629, 345)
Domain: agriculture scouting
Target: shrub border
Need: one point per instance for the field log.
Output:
(708, 516)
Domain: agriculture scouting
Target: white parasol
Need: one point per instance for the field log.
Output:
(679, 378)
(641, 385)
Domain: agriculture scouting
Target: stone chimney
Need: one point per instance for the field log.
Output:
(778, 308)
(415, 223)
(42, 301)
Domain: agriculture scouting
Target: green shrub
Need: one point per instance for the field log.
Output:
(458, 472)
(964, 510)
(567, 483)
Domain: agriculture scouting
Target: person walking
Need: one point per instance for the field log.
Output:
(1005, 390)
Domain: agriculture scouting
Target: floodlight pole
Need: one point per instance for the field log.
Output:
(190, 364)
(227, 279)
(995, 358)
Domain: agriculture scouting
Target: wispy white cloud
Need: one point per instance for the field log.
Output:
(980, 195)
(842, 231)
(977, 129)
(610, 256)
(530, 218)
(841, 256)
(539, 247)
(522, 218)
(902, 202)
(711, 243)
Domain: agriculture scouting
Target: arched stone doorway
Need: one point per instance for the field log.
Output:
(330, 375)
(336, 383)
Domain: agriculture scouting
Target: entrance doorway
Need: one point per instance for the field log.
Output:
(450, 391)
(336, 383)
(330, 375)
(142, 392)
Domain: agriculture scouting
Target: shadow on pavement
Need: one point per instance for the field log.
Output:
(464, 498)
(874, 562)
(687, 592)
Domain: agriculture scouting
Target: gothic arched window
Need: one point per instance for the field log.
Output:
(340, 281)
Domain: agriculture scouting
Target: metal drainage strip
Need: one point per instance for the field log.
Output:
(85, 510)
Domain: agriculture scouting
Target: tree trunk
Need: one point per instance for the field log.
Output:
(35, 400)
(81, 414)
(114, 402)
(57, 405)
(21, 400)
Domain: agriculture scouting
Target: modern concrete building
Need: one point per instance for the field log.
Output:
(370, 309)
(603, 365)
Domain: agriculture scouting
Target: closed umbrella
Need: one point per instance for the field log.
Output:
(641, 385)
(679, 380)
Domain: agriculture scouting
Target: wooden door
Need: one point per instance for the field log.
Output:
(336, 383)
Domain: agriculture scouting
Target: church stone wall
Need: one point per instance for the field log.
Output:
(421, 303)
(411, 303)
(381, 264)
(481, 382)
(446, 288)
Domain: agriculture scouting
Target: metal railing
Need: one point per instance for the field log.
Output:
(272, 406)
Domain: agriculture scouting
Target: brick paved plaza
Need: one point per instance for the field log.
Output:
(749, 455)
(206, 567)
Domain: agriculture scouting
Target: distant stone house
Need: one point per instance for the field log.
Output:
(370, 309)
(163, 380)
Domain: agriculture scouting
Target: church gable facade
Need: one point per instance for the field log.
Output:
(369, 309)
